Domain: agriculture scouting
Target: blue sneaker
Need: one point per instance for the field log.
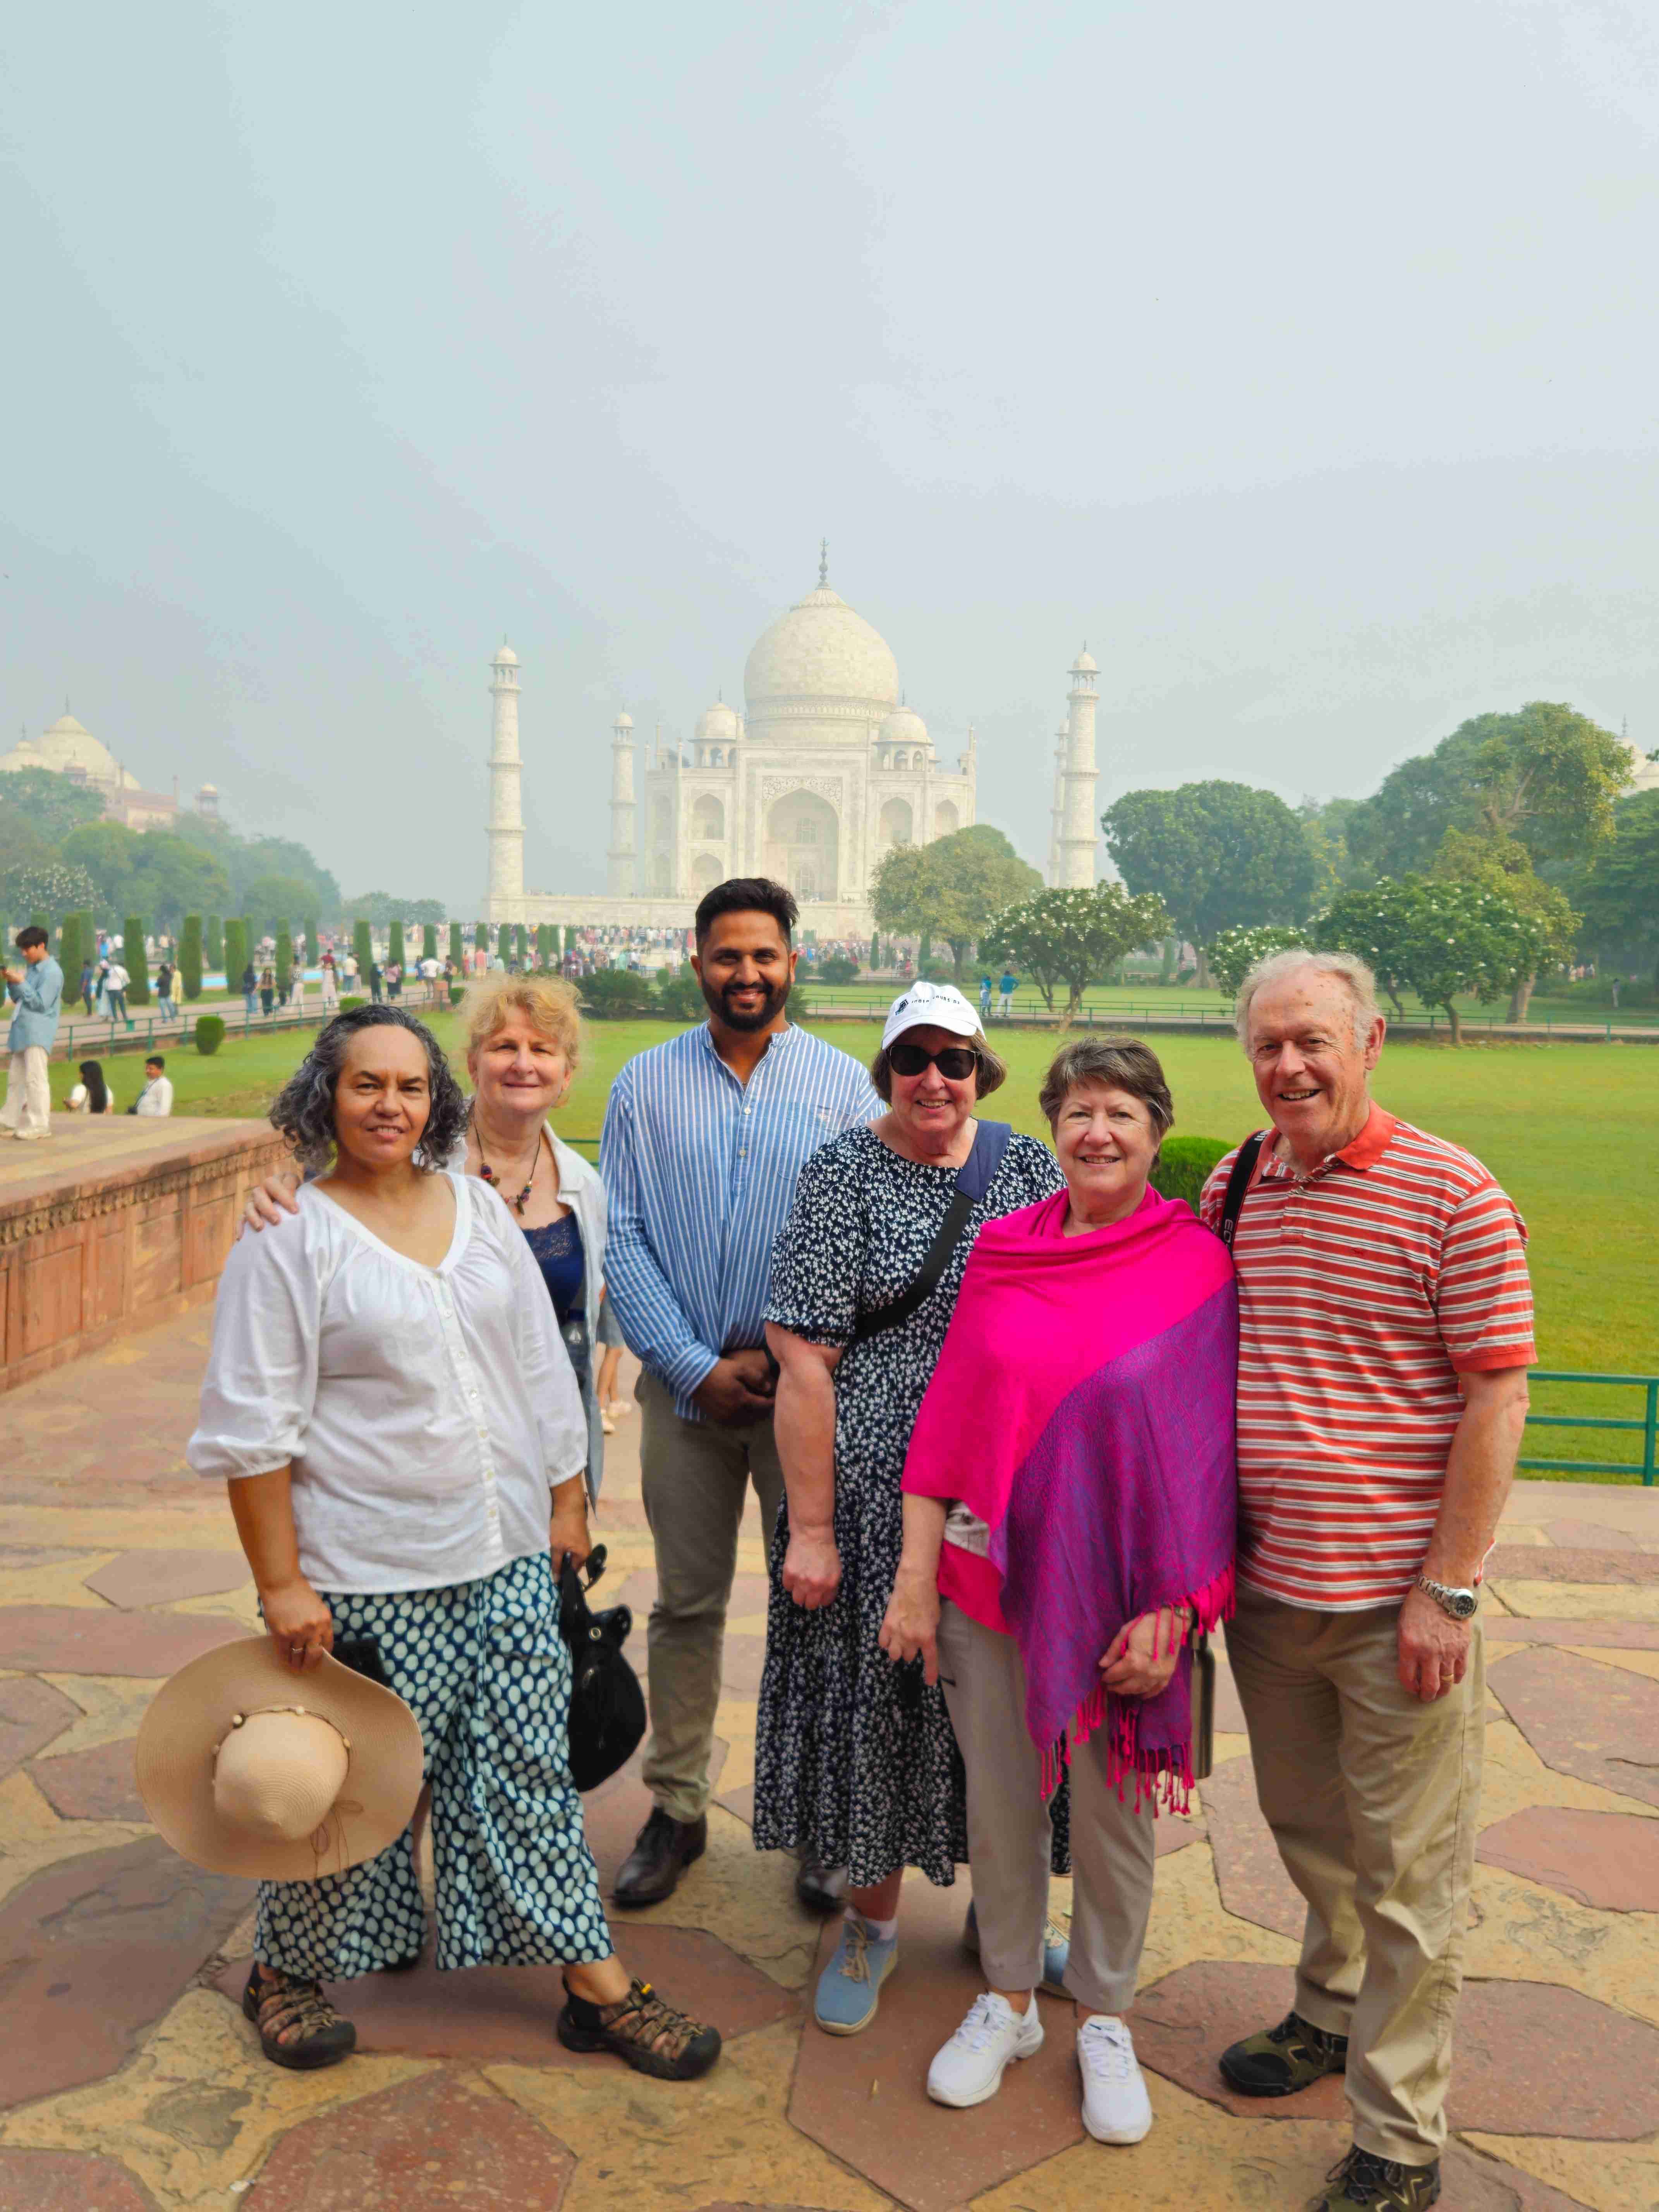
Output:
(1056, 1953)
(849, 1988)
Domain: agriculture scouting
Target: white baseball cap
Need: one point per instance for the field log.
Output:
(930, 1005)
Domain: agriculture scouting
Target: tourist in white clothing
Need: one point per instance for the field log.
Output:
(156, 1097)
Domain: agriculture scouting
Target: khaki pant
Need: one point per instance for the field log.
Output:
(1009, 1837)
(694, 1476)
(28, 1099)
(1372, 1798)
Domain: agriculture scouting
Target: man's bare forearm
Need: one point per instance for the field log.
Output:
(1479, 1472)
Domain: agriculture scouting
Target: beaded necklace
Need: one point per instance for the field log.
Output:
(491, 1176)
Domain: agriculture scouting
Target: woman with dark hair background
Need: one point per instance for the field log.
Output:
(390, 1404)
(91, 1095)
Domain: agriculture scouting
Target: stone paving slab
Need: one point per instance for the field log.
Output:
(1600, 1723)
(1544, 1563)
(33, 1714)
(72, 1639)
(68, 2181)
(90, 1785)
(1607, 1860)
(147, 1578)
(1251, 1874)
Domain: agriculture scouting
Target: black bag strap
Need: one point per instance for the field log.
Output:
(973, 1178)
(1237, 1183)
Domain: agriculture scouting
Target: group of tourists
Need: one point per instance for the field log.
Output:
(1021, 1433)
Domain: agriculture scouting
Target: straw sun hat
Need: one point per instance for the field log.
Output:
(247, 1768)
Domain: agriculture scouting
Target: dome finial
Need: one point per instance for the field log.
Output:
(824, 564)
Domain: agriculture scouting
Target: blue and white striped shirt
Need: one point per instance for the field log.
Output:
(700, 1173)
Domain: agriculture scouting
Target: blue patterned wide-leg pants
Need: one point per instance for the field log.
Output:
(488, 1676)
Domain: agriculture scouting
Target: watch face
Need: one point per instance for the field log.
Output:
(1460, 1604)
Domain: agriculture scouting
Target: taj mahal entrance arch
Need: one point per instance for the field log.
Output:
(803, 845)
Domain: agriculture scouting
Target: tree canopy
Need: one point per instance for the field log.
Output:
(148, 871)
(1072, 937)
(1218, 855)
(51, 804)
(1618, 889)
(1437, 939)
(380, 907)
(1235, 951)
(952, 890)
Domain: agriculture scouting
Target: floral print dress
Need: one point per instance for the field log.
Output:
(855, 1761)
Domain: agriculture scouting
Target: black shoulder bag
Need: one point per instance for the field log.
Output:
(973, 1178)
(607, 1705)
(1203, 1658)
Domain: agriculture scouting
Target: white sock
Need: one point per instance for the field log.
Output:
(883, 1930)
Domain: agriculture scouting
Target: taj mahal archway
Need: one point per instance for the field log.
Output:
(803, 845)
(896, 821)
(708, 819)
(945, 820)
(706, 872)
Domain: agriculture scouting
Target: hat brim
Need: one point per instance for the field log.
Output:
(193, 1713)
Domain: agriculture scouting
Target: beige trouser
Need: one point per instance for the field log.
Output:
(28, 1099)
(1009, 1837)
(1373, 1797)
(693, 1476)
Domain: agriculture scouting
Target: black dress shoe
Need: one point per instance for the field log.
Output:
(662, 1849)
(821, 1888)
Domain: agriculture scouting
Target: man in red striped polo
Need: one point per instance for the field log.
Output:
(1385, 1330)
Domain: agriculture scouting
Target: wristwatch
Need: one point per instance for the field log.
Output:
(1457, 1603)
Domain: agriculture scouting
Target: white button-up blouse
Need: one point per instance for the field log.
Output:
(426, 1412)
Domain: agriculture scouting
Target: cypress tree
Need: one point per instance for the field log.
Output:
(69, 953)
(395, 945)
(543, 944)
(523, 945)
(235, 948)
(189, 957)
(213, 941)
(455, 948)
(481, 937)
(39, 922)
(363, 948)
(429, 940)
(133, 959)
(284, 964)
(314, 950)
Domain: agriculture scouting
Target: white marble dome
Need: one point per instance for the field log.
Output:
(821, 649)
(717, 725)
(69, 745)
(904, 726)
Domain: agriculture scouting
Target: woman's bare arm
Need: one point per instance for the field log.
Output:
(300, 1624)
(805, 1426)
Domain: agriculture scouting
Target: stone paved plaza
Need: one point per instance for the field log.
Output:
(129, 2079)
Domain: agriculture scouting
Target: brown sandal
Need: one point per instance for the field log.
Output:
(640, 2028)
(298, 2026)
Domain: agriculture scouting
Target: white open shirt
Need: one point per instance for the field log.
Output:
(426, 1412)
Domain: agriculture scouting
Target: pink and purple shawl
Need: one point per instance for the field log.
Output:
(1083, 1407)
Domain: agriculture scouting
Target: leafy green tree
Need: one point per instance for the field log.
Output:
(48, 886)
(274, 901)
(189, 957)
(1235, 951)
(51, 804)
(1072, 937)
(362, 947)
(395, 945)
(236, 951)
(284, 965)
(951, 889)
(281, 856)
(213, 941)
(135, 961)
(1441, 938)
(108, 851)
(1325, 825)
(1501, 864)
(381, 908)
(1618, 889)
(1217, 855)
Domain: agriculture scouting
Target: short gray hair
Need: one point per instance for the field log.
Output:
(1122, 1062)
(1278, 967)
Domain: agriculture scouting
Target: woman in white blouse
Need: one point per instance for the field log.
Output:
(390, 1404)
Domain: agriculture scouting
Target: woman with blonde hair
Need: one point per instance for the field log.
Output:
(523, 1039)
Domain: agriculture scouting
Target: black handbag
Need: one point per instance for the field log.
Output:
(607, 1705)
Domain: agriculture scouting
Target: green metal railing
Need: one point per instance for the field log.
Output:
(1647, 1426)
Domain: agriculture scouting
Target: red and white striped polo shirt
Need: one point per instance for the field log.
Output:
(1365, 1288)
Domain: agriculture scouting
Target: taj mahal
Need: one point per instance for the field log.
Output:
(823, 772)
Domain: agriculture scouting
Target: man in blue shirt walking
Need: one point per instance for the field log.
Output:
(703, 1139)
(37, 990)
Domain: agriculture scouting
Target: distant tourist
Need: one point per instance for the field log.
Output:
(376, 982)
(267, 990)
(91, 1095)
(985, 998)
(350, 970)
(164, 975)
(394, 981)
(330, 986)
(115, 990)
(84, 992)
(248, 985)
(156, 1097)
(1006, 988)
(36, 989)
(1385, 1331)
(296, 986)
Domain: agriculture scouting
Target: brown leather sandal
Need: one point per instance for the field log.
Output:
(650, 2035)
(298, 2026)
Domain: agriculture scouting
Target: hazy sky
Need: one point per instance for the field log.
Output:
(1301, 358)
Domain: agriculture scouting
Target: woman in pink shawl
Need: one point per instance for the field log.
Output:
(1069, 1518)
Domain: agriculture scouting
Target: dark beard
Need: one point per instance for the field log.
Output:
(734, 1018)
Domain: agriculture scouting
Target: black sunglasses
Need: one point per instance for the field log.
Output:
(956, 1062)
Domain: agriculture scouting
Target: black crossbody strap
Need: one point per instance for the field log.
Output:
(1237, 1183)
(975, 1178)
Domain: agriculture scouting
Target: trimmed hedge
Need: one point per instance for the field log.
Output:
(429, 940)
(236, 951)
(134, 960)
(69, 954)
(1184, 1165)
(363, 948)
(457, 951)
(213, 941)
(617, 994)
(346, 1004)
(209, 1034)
(394, 947)
(284, 964)
(190, 958)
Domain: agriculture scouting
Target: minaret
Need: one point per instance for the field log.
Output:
(622, 859)
(506, 813)
(1079, 827)
(1057, 808)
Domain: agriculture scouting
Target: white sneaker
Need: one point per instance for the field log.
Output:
(1115, 2106)
(969, 2067)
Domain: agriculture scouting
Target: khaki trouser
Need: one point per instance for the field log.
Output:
(693, 1476)
(1373, 1797)
(28, 1098)
(1009, 1836)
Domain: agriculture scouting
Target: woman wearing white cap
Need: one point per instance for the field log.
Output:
(855, 1760)
(390, 1402)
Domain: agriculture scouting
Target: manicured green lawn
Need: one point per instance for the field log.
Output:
(1571, 1131)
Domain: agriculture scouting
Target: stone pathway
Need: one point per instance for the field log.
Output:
(130, 2082)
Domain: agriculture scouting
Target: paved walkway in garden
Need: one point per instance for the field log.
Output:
(128, 2078)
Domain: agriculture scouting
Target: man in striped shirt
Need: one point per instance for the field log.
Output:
(703, 1139)
(1385, 1330)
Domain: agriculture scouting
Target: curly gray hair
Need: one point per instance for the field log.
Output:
(303, 1109)
(1347, 967)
